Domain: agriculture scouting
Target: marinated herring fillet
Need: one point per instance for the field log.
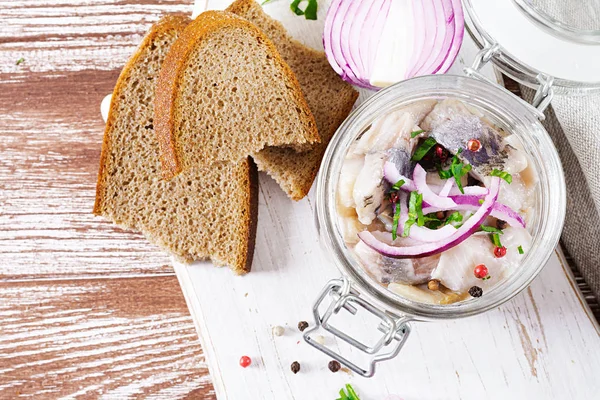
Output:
(202, 213)
(224, 93)
(433, 201)
(329, 98)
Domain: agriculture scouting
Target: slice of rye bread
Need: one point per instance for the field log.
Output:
(202, 213)
(224, 93)
(328, 96)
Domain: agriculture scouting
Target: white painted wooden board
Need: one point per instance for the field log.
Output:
(541, 345)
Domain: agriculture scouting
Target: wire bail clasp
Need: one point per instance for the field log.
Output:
(395, 329)
(543, 95)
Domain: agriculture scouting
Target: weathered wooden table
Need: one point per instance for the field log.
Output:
(85, 308)
(89, 310)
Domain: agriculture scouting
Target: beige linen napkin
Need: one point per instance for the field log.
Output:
(573, 122)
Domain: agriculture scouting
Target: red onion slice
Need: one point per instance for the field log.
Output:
(327, 39)
(446, 188)
(352, 15)
(375, 35)
(420, 179)
(442, 38)
(421, 37)
(459, 33)
(471, 203)
(352, 30)
(427, 249)
(392, 175)
(428, 38)
(419, 33)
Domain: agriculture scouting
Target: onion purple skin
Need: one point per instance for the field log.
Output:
(428, 249)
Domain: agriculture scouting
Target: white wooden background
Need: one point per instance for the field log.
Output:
(541, 345)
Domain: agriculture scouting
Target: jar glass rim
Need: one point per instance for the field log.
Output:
(507, 108)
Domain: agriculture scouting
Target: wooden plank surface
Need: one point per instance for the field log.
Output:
(111, 338)
(540, 345)
(87, 310)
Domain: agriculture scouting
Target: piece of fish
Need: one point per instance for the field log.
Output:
(415, 293)
(516, 194)
(394, 129)
(401, 158)
(452, 125)
(369, 189)
(386, 269)
(456, 265)
(350, 170)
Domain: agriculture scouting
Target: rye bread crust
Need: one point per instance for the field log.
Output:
(170, 80)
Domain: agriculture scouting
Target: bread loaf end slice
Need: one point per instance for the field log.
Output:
(204, 213)
(225, 93)
(328, 96)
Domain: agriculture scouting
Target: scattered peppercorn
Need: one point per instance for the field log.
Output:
(245, 361)
(433, 284)
(500, 224)
(440, 215)
(302, 325)
(334, 366)
(439, 151)
(476, 291)
(278, 330)
(320, 339)
(500, 252)
(295, 367)
(394, 197)
(480, 271)
(473, 145)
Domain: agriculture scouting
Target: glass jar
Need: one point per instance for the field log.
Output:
(358, 288)
(534, 47)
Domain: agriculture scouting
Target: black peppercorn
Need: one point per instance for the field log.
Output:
(302, 325)
(500, 224)
(334, 366)
(295, 367)
(476, 291)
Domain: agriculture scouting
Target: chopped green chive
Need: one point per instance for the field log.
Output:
(520, 248)
(503, 175)
(444, 174)
(350, 395)
(454, 219)
(20, 61)
(457, 170)
(395, 220)
(310, 12)
(295, 7)
(265, 2)
(432, 221)
(423, 149)
(414, 134)
(496, 240)
(398, 185)
(490, 229)
(415, 212)
(481, 201)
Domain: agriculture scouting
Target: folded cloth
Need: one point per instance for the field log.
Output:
(573, 122)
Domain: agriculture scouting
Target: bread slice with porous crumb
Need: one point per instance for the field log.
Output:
(329, 98)
(224, 93)
(204, 213)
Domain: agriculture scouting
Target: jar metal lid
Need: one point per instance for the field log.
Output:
(534, 41)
